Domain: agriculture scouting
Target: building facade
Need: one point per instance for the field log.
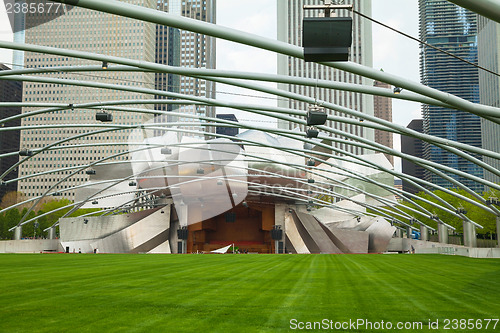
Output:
(382, 108)
(18, 37)
(398, 184)
(290, 15)
(414, 147)
(489, 88)
(90, 31)
(230, 131)
(453, 29)
(10, 91)
(191, 50)
(168, 52)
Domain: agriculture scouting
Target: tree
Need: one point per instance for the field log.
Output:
(53, 206)
(12, 198)
(43, 223)
(3, 230)
(28, 228)
(12, 218)
(474, 212)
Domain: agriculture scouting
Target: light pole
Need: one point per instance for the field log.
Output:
(35, 226)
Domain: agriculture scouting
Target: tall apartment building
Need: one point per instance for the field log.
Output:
(414, 147)
(18, 37)
(382, 108)
(168, 52)
(10, 91)
(91, 31)
(187, 49)
(453, 29)
(489, 87)
(290, 15)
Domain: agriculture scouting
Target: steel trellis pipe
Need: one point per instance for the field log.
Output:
(154, 16)
(236, 105)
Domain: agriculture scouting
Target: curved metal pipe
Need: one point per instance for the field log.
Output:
(368, 180)
(447, 142)
(169, 124)
(176, 21)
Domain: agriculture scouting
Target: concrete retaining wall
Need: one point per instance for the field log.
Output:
(30, 246)
(425, 247)
(466, 252)
(404, 245)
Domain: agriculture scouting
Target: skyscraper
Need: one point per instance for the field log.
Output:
(19, 37)
(382, 107)
(193, 50)
(231, 131)
(290, 15)
(414, 147)
(489, 87)
(168, 52)
(91, 31)
(453, 29)
(10, 91)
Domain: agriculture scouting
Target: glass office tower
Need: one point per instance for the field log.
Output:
(453, 29)
(489, 87)
(87, 31)
(187, 49)
(290, 15)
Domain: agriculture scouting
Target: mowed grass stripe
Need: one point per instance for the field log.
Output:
(447, 278)
(248, 293)
(440, 279)
(453, 294)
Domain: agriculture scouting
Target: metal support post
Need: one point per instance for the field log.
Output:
(424, 233)
(442, 233)
(52, 233)
(470, 239)
(18, 232)
(183, 213)
(408, 232)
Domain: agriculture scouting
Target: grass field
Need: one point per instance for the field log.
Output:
(241, 293)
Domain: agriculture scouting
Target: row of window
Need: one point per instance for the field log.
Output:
(37, 180)
(79, 158)
(70, 194)
(92, 117)
(57, 165)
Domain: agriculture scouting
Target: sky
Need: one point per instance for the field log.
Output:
(391, 52)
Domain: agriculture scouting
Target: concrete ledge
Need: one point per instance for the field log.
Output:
(30, 246)
(404, 245)
(471, 252)
(426, 247)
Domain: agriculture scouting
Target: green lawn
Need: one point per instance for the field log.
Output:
(241, 293)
